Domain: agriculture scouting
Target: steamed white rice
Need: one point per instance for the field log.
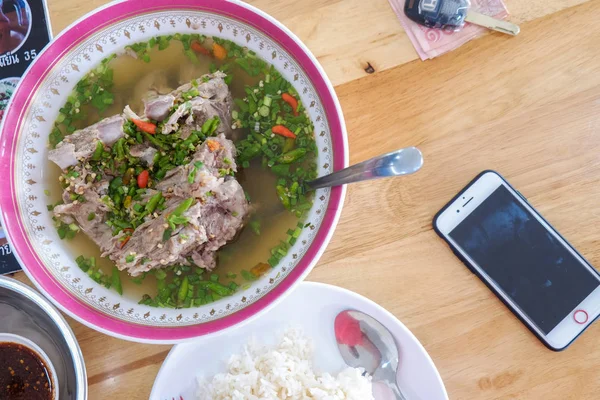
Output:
(282, 373)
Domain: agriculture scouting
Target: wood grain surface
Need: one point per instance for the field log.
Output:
(528, 107)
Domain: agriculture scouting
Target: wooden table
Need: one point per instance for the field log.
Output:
(528, 107)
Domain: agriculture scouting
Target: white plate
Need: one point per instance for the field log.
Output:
(311, 307)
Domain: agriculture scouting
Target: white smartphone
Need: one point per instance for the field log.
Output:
(501, 238)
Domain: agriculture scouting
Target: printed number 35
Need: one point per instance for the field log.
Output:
(30, 55)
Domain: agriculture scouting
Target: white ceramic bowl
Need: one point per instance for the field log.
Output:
(312, 308)
(35, 106)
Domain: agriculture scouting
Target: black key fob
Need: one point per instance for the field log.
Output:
(437, 13)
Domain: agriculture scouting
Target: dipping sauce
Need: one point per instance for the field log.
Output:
(23, 374)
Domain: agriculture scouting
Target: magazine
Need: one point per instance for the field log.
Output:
(24, 32)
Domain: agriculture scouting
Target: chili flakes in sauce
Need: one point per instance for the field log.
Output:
(23, 374)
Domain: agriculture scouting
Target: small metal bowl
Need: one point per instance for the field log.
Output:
(26, 313)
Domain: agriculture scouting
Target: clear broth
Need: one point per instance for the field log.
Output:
(132, 79)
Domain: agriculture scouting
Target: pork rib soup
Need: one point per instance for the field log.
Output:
(180, 169)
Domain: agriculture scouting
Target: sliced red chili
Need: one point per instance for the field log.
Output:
(291, 100)
(124, 241)
(142, 179)
(198, 48)
(283, 131)
(145, 126)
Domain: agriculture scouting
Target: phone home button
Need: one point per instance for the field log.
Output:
(580, 316)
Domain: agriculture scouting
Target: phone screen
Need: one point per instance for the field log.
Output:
(524, 259)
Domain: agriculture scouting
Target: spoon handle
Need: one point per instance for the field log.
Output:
(400, 162)
(390, 379)
(397, 392)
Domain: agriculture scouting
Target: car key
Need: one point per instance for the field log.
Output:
(453, 13)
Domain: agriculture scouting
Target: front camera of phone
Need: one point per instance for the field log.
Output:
(457, 211)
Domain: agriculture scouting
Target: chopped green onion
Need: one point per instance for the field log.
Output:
(183, 290)
(153, 202)
(160, 274)
(116, 280)
(182, 207)
(248, 275)
(264, 111)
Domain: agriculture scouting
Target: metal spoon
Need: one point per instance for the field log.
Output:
(365, 343)
(400, 162)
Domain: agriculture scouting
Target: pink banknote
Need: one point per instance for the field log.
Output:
(431, 43)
